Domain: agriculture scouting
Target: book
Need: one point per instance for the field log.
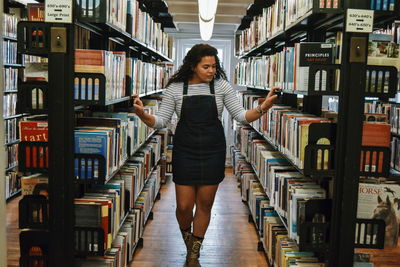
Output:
(36, 12)
(374, 134)
(380, 201)
(35, 184)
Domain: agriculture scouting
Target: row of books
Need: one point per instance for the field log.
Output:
(9, 52)
(285, 127)
(282, 14)
(12, 183)
(10, 25)
(383, 4)
(385, 112)
(102, 136)
(288, 69)
(145, 29)
(109, 137)
(111, 64)
(254, 35)
(114, 135)
(10, 130)
(9, 105)
(130, 193)
(266, 218)
(11, 153)
(140, 193)
(147, 77)
(288, 130)
(277, 175)
(142, 26)
(10, 78)
(33, 59)
(122, 246)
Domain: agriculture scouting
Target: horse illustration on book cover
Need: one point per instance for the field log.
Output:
(381, 201)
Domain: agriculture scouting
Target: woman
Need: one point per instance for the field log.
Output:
(197, 93)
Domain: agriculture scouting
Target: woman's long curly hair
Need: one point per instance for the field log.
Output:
(193, 57)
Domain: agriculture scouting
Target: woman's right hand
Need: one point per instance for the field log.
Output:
(138, 105)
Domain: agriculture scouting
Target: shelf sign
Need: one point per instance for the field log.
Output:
(58, 11)
(359, 20)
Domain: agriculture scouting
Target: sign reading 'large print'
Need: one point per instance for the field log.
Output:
(58, 11)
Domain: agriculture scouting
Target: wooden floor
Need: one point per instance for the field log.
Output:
(12, 233)
(230, 240)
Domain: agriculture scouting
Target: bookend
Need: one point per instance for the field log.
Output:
(375, 161)
(313, 230)
(169, 167)
(317, 74)
(89, 89)
(33, 156)
(34, 246)
(370, 233)
(97, 12)
(33, 212)
(32, 97)
(90, 168)
(381, 81)
(33, 38)
(319, 159)
(88, 241)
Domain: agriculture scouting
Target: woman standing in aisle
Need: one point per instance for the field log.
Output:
(197, 93)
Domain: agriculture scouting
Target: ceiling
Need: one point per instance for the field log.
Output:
(228, 17)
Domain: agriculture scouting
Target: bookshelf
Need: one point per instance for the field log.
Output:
(11, 71)
(317, 23)
(64, 106)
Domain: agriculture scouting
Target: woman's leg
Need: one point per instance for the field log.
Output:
(205, 195)
(185, 199)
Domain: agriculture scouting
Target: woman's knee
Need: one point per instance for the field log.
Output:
(204, 206)
(184, 207)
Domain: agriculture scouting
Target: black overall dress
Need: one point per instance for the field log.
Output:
(199, 149)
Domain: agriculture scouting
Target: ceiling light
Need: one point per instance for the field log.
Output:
(206, 28)
(207, 9)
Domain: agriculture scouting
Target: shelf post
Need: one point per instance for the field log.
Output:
(348, 148)
(61, 153)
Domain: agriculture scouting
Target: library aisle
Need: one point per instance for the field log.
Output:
(230, 239)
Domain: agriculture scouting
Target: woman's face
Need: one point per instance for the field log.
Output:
(206, 69)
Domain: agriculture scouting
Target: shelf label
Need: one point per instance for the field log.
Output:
(58, 11)
(359, 20)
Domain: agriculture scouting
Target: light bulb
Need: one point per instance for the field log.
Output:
(207, 9)
(206, 28)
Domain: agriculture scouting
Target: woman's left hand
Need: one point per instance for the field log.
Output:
(270, 99)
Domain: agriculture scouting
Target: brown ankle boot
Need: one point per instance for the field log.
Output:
(186, 235)
(192, 258)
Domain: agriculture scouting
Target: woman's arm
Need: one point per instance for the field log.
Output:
(253, 114)
(164, 113)
(148, 119)
(237, 111)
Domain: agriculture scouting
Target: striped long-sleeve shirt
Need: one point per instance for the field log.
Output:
(224, 96)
